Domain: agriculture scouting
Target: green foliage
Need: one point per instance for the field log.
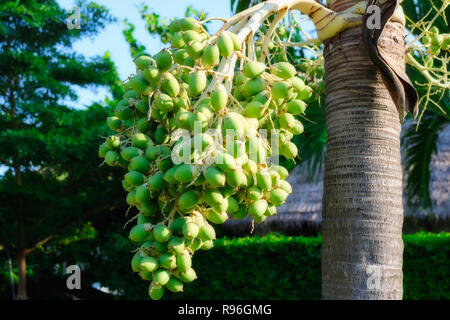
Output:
(270, 267)
(51, 186)
(426, 260)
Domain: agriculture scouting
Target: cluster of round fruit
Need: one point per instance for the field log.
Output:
(435, 41)
(194, 135)
(164, 256)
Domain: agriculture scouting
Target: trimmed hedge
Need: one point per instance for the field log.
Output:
(280, 267)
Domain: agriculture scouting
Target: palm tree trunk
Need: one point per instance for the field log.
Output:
(22, 275)
(362, 251)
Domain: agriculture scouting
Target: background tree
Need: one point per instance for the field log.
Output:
(51, 183)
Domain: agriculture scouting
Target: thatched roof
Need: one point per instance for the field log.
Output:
(302, 212)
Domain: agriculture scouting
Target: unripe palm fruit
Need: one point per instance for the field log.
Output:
(161, 277)
(170, 85)
(282, 90)
(208, 244)
(264, 180)
(149, 264)
(113, 142)
(162, 233)
(197, 83)
(164, 60)
(143, 125)
(188, 23)
(177, 224)
(283, 70)
(191, 35)
(217, 217)
(140, 140)
(135, 262)
(278, 196)
(140, 163)
(111, 158)
(254, 109)
(211, 56)
(130, 94)
(131, 200)
(138, 233)
(253, 87)
(141, 219)
(176, 245)
(296, 107)
(297, 83)
(186, 173)
(142, 194)
(236, 178)
(190, 230)
(237, 43)
(195, 49)
(215, 177)
(123, 113)
(102, 150)
(174, 285)
(155, 292)
(254, 69)
(177, 40)
(163, 102)
(297, 127)
(257, 208)
(188, 199)
(139, 84)
(236, 148)
(156, 182)
(305, 94)
(134, 178)
(233, 125)
(271, 210)
(152, 152)
(168, 261)
(282, 171)
(207, 232)
(161, 135)
(286, 120)
(184, 261)
(286, 186)
(188, 276)
(152, 75)
(202, 141)
(213, 197)
(437, 40)
(254, 193)
(114, 123)
(219, 97)
(148, 208)
(241, 213)
(233, 205)
(143, 62)
(289, 150)
(225, 44)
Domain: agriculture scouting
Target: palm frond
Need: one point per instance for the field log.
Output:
(419, 146)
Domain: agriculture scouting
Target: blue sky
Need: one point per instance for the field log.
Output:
(112, 40)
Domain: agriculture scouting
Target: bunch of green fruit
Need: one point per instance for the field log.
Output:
(198, 138)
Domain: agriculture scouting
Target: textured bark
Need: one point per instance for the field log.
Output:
(362, 251)
(22, 272)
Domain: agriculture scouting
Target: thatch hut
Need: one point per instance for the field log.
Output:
(302, 212)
